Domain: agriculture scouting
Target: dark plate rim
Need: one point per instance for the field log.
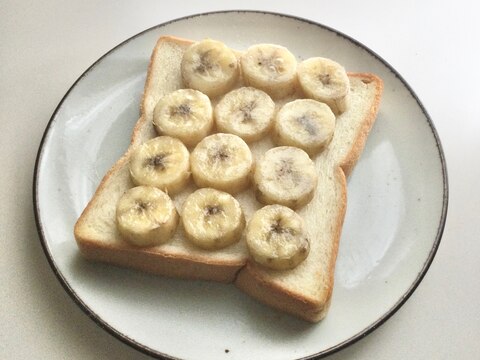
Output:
(151, 352)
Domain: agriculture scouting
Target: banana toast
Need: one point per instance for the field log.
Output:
(304, 291)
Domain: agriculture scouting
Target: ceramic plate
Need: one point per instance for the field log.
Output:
(396, 207)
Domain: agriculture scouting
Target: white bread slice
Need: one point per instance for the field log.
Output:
(304, 291)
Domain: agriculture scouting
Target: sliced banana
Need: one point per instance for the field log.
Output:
(163, 162)
(326, 81)
(212, 219)
(246, 112)
(271, 68)
(185, 114)
(276, 238)
(222, 161)
(304, 123)
(285, 175)
(209, 66)
(146, 216)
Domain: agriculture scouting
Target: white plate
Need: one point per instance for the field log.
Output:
(396, 207)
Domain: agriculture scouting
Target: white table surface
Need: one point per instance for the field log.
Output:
(46, 45)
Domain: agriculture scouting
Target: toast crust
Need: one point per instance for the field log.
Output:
(349, 162)
(157, 263)
(247, 276)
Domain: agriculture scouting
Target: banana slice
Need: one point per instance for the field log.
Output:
(163, 162)
(146, 216)
(304, 123)
(209, 66)
(222, 161)
(326, 81)
(246, 112)
(271, 68)
(285, 175)
(212, 219)
(276, 238)
(185, 114)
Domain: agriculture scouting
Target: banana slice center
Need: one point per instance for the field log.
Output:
(246, 112)
(287, 174)
(158, 162)
(183, 110)
(214, 218)
(272, 65)
(281, 241)
(140, 206)
(220, 154)
(206, 63)
(307, 124)
(278, 229)
(147, 210)
(324, 78)
(184, 113)
(211, 210)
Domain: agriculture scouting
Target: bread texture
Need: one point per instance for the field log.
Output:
(304, 291)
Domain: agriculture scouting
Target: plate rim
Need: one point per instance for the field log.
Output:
(326, 352)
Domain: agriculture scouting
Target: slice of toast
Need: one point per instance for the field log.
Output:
(304, 291)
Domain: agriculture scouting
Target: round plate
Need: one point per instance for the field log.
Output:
(397, 203)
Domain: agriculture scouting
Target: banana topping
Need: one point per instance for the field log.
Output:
(246, 112)
(284, 178)
(276, 238)
(285, 175)
(271, 68)
(306, 124)
(326, 81)
(212, 219)
(146, 216)
(222, 161)
(163, 162)
(209, 66)
(185, 114)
